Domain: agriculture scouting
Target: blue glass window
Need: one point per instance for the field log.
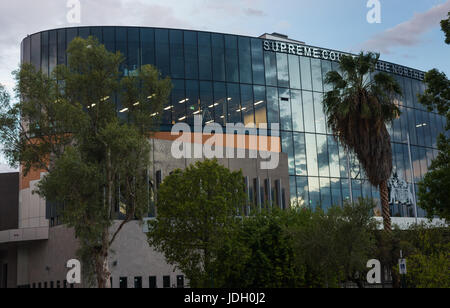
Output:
(205, 56)
(231, 58)
(234, 104)
(36, 51)
(121, 46)
(316, 69)
(333, 151)
(220, 99)
(285, 109)
(190, 54)
(308, 109)
(314, 192)
(247, 105)
(162, 52)
(53, 47)
(62, 46)
(321, 123)
(109, 37)
(336, 192)
(325, 193)
(322, 155)
(294, 72)
(176, 54)
(305, 68)
(207, 101)
(245, 60)
(44, 52)
(300, 154)
(84, 32)
(282, 69)
(97, 33)
(148, 46)
(218, 57)
(270, 61)
(192, 100)
(311, 155)
(303, 191)
(288, 148)
(293, 190)
(272, 105)
(297, 110)
(260, 106)
(133, 58)
(257, 62)
(178, 101)
(326, 68)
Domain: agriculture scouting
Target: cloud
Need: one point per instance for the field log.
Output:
(408, 33)
(254, 12)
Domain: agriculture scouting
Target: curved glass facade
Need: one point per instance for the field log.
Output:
(230, 78)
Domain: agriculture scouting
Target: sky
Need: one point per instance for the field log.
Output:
(408, 32)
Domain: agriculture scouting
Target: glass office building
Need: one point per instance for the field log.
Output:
(270, 79)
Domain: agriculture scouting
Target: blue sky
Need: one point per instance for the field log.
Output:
(409, 32)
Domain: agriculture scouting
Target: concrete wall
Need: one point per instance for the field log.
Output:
(131, 256)
(31, 208)
(8, 256)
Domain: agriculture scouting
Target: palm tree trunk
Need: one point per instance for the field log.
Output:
(384, 194)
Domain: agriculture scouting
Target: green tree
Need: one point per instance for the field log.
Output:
(445, 25)
(67, 125)
(427, 252)
(434, 196)
(261, 254)
(299, 248)
(197, 210)
(334, 247)
(358, 108)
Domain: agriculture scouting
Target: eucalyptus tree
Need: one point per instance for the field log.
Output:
(95, 159)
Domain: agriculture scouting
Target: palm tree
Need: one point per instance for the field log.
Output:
(358, 108)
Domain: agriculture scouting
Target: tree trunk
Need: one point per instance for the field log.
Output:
(384, 194)
(102, 266)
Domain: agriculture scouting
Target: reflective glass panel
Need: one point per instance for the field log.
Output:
(285, 109)
(148, 46)
(308, 109)
(190, 55)
(231, 58)
(234, 104)
(260, 106)
(297, 110)
(204, 56)
(257, 62)
(322, 155)
(247, 105)
(302, 191)
(272, 105)
(176, 54)
(218, 57)
(162, 52)
(245, 60)
(305, 66)
(316, 69)
(282, 69)
(294, 72)
(311, 155)
(270, 61)
(288, 148)
(300, 154)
